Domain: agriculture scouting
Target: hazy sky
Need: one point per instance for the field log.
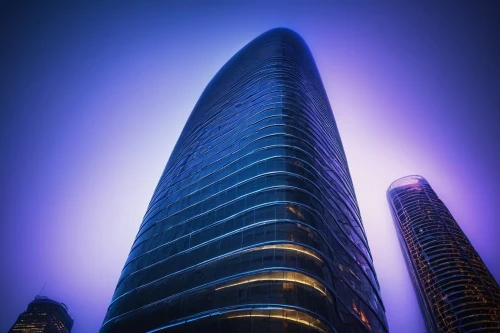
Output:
(93, 97)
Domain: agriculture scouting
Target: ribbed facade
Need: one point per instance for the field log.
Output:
(43, 315)
(254, 225)
(456, 291)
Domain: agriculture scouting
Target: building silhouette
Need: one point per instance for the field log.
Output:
(455, 290)
(43, 316)
(254, 225)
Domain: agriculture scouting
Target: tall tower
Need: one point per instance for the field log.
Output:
(43, 316)
(455, 290)
(254, 225)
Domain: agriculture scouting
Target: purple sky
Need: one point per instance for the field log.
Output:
(93, 98)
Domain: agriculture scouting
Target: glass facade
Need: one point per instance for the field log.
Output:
(455, 290)
(254, 225)
(43, 316)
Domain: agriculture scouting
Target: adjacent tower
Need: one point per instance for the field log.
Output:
(43, 316)
(455, 290)
(254, 225)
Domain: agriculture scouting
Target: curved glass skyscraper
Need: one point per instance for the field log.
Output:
(455, 289)
(254, 225)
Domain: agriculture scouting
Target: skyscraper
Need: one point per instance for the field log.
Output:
(43, 316)
(455, 290)
(254, 225)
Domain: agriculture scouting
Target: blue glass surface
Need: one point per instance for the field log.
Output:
(254, 225)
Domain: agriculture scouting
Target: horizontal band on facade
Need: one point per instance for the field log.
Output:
(272, 312)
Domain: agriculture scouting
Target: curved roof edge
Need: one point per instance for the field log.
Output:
(406, 180)
(281, 31)
(45, 299)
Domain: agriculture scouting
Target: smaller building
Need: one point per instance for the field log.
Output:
(43, 316)
(456, 292)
